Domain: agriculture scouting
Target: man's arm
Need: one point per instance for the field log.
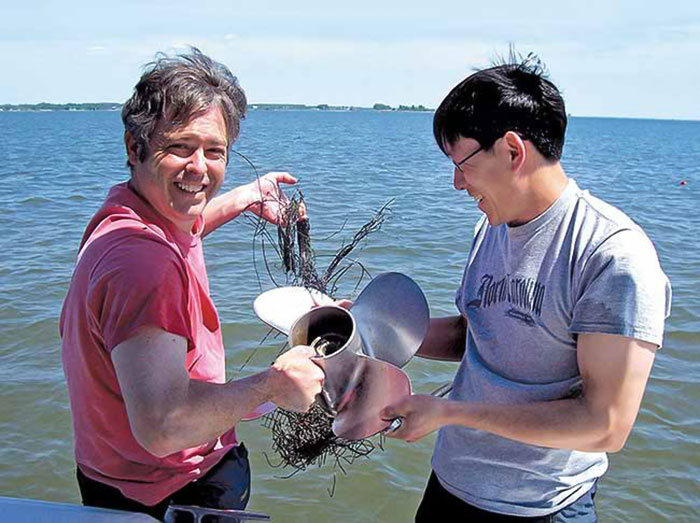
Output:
(263, 197)
(445, 340)
(169, 412)
(615, 371)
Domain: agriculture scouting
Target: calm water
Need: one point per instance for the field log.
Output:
(56, 168)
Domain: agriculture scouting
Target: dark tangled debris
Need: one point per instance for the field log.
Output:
(305, 439)
(298, 258)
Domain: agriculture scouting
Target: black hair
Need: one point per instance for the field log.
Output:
(513, 95)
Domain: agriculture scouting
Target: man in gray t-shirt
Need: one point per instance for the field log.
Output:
(562, 309)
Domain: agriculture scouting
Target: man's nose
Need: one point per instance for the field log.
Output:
(197, 162)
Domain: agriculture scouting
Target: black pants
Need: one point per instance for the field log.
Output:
(225, 486)
(439, 505)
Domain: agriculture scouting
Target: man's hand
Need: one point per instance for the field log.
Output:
(265, 198)
(295, 380)
(420, 415)
(321, 299)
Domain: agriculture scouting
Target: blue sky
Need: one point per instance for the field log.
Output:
(610, 58)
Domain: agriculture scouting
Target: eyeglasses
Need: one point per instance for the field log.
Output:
(458, 164)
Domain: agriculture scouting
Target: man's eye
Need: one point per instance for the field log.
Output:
(179, 148)
(216, 153)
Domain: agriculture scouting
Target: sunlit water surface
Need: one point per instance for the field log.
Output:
(56, 168)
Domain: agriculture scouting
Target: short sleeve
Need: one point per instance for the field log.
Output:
(622, 290)
(139, 282)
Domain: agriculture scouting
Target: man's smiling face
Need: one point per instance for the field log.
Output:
(484, 175)
(184, 167)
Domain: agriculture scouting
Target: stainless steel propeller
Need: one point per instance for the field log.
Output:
(360, 350)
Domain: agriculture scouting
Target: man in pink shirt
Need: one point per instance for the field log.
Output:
(143, 355)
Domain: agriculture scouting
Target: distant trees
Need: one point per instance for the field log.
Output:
(413, 108)
(384, 107)
(112, 106)
(102, 106)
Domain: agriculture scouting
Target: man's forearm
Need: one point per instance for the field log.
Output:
(565, 424)
(169, 412)
(223, 209)
(614, 372)
(445, 340)
(204, 411)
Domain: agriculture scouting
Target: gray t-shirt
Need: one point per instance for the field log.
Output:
(582, 266)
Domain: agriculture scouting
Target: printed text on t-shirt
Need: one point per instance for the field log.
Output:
(526, 293)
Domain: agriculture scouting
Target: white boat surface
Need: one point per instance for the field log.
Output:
(21, 510)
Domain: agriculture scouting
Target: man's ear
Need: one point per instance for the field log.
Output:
(132, 149)
(516, 150)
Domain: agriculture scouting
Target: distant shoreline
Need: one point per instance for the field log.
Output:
(113, 106)
(40, 107)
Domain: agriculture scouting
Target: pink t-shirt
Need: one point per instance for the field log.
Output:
(135, 269)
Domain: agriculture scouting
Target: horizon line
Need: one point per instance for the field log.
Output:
(321, 107)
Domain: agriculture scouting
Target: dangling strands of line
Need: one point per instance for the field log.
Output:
(306, 439)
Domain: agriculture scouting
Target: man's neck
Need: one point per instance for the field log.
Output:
(184, 226)
(541, 188)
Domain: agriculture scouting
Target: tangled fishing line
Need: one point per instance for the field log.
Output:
(292, 246)
(305, 439)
